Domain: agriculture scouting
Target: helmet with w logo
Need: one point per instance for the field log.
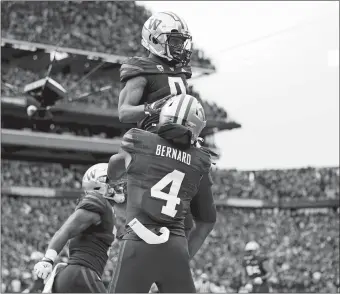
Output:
(167, 35)
(180, 114)
(95, 182)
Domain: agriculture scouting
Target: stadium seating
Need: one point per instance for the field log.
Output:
(94, 26)
(302, 245)
(107, 99)
(28, 223)
(308, 183)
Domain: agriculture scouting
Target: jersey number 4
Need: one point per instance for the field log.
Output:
(175, 178)
(173, 81)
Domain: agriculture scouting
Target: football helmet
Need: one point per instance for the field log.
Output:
(183, 113)
(167, 35)
(95, 181)
(252, 246)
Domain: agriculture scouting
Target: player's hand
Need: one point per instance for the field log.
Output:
(43, 269)
(258, 281)
(248, 287)
(119, 198)
(156, 107)
(119, 191)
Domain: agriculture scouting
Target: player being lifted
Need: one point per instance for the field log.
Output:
(91, 230)
(167, 178)
(149, 82)
(257, 269)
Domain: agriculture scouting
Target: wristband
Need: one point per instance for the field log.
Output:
(51, 254)
(146, 109)
(45, 259)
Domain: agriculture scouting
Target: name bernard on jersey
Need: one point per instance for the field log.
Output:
(173, 153)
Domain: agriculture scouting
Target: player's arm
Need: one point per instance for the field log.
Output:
(116, 167)
(268, 267)
(79, 221)
(203, 211)
(244, 276)
(129, 98)
(189, 224)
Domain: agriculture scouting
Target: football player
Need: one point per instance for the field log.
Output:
(167, 178)
(91, 231)
(257, 269)
(149, 82)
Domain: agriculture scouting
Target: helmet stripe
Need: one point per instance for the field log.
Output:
(175, 17)
(183, 109)
(180, 20)
(178, 109)
(188, 109)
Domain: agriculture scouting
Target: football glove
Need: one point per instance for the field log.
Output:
(43, 268)
(248, 287)
(119, 191)
(258, 281)
(156, 107)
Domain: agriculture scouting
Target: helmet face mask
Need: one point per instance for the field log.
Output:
(167, 36)
(95, 182)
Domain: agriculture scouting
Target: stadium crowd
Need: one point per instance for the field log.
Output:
(99, 26)
(273, 185)
(304, 246)
(278, 185)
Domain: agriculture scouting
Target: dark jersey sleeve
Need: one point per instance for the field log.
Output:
(202, 205)
(137, 66)
(262, 259)
(130, 68)
(93, 203)
(129, 141)
(136, 141)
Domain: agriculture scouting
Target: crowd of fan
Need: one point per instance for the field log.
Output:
(278, 185)
(102, 92)
(269, 185)
(303, 246)
(100, 26)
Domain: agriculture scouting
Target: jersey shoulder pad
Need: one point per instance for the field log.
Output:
(136, 66)
(135, 140)
(187, 71)
(93, 203)
(205, 161)
(262, 258)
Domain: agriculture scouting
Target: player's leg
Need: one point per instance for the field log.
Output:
(263, 288)
(93, 281)
(133, 273)
(65, 280)
(174, 274)
(77, 279)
